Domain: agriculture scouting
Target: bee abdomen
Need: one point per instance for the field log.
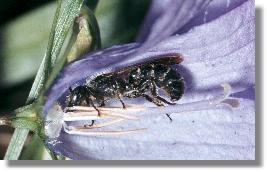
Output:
(170, 81)
(175, 89)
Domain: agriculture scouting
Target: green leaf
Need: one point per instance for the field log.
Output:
(72, 10)
(45, 67)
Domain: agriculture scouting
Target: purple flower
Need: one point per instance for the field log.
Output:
(215, 119)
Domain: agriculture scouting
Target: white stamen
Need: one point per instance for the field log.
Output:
(104, 124)
(133, 112)
(79, 116)
(89, 113)
(78, 130)
(102, 133)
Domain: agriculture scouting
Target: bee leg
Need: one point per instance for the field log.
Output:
(104, 124)
(123, 105)
(95, 108)
(169, 117)
(155, 94)
(102, 104)
(163, 100)
(90, 102)
(92, 123)
(153, 100)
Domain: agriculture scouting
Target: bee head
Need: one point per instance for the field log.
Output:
(77, 96)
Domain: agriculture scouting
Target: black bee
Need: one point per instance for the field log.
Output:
(102, 88)
(107, 87)
(141, 80)
(151, 76)
(82, 96)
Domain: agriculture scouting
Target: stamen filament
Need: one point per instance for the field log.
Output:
(80, 116)
(134, 112)
(104, 124)
(102, 133)
(89, 113)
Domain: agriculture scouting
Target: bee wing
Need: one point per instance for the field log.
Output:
(170, 59)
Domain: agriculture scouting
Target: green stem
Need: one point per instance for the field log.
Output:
(45, 67)
(16, 144)
(21, 131)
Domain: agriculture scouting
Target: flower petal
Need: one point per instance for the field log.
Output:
(218, 52)
(166, 17)
(210, 59)
(214, 10)
(208, 134)
(222, 51)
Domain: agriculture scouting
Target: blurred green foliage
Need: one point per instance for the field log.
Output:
(24, 42)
